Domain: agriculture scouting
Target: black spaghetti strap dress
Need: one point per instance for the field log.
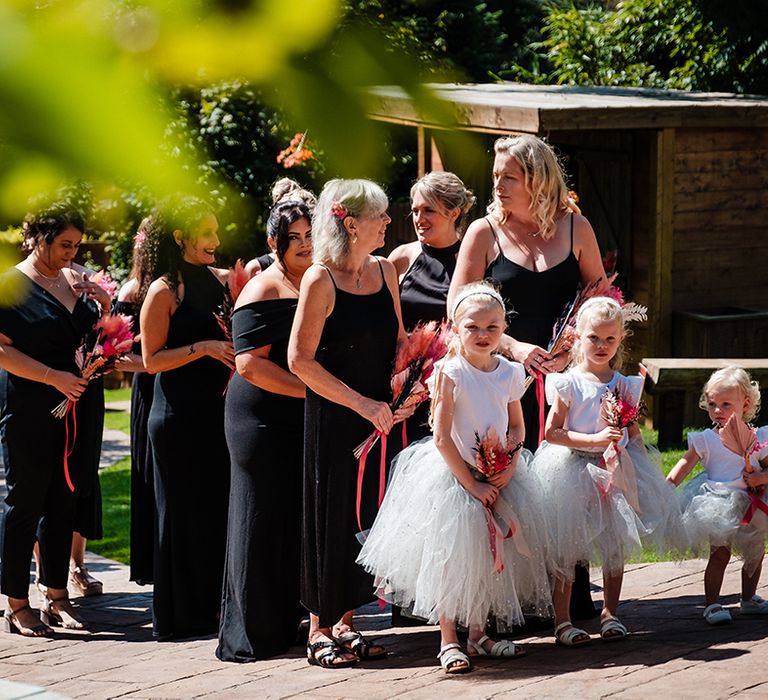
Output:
(39, 503)
(423, 294)
(191, 464)
(142, 472)
(358, 347)
(260, 611)
(538, 299)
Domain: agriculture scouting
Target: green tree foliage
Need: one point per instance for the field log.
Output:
(683, 44)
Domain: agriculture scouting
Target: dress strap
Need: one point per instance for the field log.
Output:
(571, 231)
(381, 270)
(329, 275)
(493, 232)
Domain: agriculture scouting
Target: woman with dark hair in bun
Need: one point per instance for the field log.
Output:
(264, 422)
(182, 342)
(284, 189)
(53, 306)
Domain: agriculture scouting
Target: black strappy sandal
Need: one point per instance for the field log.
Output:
(360, 646)
(325, 654)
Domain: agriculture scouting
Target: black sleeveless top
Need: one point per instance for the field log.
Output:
(424, 288)
(536, 298)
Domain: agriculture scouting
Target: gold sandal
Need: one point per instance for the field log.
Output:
(12, 624)
(84, 582)
(53, 614)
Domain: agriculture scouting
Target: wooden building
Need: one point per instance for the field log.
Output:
(675, 182)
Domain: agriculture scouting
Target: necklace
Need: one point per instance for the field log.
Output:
(357, 282)
(52, 282)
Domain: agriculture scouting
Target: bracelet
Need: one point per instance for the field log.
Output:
(191, 349)
(45, 376)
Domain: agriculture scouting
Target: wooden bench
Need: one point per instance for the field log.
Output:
(670, 379)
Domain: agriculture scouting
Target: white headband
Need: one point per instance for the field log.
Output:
(474, 292)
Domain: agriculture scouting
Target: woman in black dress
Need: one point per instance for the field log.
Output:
(539, 248)
(52, 306)
(182, 342)
(264, 424)
(342, 346)
(142, 388)
(439, 205)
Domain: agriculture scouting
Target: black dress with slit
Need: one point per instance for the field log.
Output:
(39, 504)
(423, 294)
(191, 465)
(357, 346)
(142, 472)
(537, 300)
(260, 611)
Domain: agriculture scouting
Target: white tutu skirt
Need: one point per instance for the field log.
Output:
(590, 520)
(429, 548)
(712, 516)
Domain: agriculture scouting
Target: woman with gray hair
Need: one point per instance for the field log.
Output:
(342, 346)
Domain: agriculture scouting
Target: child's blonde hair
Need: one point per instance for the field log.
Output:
(482, 294)
(601, 310)
(733, 377)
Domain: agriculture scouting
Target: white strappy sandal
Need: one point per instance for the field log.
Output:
(570, 637)
(452, 654)
(716, 614)
(612, 629)
(501, 648)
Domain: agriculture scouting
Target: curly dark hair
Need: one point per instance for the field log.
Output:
(45, 225)
(159, 254)
(281, 217)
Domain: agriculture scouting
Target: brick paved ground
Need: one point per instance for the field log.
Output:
(672, 653)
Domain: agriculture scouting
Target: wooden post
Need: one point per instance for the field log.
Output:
(667, 408)
(422, 151)
(436, 161)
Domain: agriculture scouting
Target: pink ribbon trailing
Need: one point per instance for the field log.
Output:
(502, 511)
(756, 503)
(361, 471)
(540, 398)
(67, 448)
(621, 468)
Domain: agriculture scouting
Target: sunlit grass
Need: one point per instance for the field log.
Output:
(116, 504)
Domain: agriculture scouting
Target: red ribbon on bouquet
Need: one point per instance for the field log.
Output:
(67, 448)
(756, 503)
(361, 471)
(541, 400)
(501, 510)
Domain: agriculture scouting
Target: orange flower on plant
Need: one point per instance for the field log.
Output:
(296, 153)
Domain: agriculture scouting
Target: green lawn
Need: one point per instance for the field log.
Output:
(116, 502)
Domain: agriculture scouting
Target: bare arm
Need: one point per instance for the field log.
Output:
(22, 365)
(316, 301)
(156, 313)
(486, 493)
(255, 365)
(556, 434)
(403, 256)
(587, 252)
(683, 467)
(127, 294)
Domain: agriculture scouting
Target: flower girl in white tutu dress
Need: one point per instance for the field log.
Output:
(601, 492)
(449, 542)
(718, 500)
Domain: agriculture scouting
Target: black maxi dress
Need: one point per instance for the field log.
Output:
(191, 463)
(142, 472)
(260, 611)
(423, 294)
(538, 299)
(39, 504)
(358, 347)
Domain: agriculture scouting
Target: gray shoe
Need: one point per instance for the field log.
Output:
(754, 606)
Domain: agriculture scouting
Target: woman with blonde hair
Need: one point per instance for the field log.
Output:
(539, 249)
(342, 346)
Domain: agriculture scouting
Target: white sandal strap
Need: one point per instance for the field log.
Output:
(448, 647)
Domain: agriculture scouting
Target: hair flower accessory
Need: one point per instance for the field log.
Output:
(339, 211)
(138, 240)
